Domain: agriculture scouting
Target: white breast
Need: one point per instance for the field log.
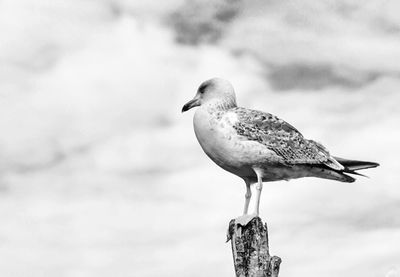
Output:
(230, 117)
(220, 141)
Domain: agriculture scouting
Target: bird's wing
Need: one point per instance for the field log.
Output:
(282, 138)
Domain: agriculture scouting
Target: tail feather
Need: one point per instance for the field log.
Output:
(325, 172)
(354, 172)
(352, 165)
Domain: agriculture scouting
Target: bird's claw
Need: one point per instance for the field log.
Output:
(245, 219)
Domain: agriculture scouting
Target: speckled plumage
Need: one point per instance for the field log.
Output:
(258, 146)
(282, 138)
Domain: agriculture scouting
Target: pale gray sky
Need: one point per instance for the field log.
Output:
(101, 175)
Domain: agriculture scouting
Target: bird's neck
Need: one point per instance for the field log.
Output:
(221, 104)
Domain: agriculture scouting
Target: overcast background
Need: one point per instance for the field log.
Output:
(101, 175)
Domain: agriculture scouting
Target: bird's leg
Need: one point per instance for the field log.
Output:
(245, 219)
(259, 187)
(247, 197)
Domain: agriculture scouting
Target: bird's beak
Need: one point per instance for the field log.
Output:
(192, 103)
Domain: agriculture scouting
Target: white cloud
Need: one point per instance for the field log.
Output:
(97, 158)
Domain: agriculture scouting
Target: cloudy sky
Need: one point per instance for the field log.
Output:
(101, 175)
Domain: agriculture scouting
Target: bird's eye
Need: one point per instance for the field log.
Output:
(202, 88)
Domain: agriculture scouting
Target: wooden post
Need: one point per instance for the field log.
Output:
(250, 249)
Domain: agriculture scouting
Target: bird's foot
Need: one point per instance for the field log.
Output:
(245, 219)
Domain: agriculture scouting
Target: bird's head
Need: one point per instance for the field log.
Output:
(216, 91)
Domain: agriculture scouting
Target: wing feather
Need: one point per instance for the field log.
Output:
(282, 138)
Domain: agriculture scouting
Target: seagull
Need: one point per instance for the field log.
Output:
(258, 146)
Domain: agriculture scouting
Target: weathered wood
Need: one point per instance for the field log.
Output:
(250, 249)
